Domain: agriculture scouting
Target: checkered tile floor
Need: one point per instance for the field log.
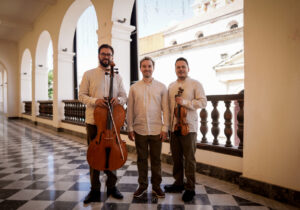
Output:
(39, 170)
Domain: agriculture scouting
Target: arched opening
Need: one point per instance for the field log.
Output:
(26, 79)
(65, 78)
(86, 45)
(42, 66)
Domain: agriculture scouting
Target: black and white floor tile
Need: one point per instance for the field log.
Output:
(40, 170)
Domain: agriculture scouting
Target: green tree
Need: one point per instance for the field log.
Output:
(50, 84)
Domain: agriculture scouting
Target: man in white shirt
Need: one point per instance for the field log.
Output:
(94, 88)
(147, 120)
(182, 145)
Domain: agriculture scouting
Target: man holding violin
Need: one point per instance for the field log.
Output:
(186, 95)
(148, 122)
(94, 89)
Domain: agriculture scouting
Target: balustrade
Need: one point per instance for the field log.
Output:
(74, 112)
(228, 130)
(27, 108)
(46, 109)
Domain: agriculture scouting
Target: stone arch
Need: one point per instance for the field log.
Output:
(63, 78)
(26, 78)
(41, 66)
(3, 88)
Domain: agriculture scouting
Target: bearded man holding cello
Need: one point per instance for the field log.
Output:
(186, 95)
(95, 88)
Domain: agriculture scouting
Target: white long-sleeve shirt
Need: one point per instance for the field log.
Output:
(147, 108)
(193, 98)
(95, 85)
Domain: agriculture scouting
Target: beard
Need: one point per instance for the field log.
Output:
(104, 64)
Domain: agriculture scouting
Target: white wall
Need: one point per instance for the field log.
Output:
(9, 59)
(272, 84)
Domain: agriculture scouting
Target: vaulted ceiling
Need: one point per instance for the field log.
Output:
(17, 17)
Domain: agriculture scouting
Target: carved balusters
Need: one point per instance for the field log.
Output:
(74, 112)
(27, 107)
(46, 109)
(203, 127)
(240, 118)
(228, 128)
(215, 123)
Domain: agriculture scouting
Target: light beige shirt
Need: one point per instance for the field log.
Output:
(147, 108)
(193, 98)
(95, 85)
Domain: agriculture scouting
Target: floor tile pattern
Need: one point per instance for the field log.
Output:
(40, 170)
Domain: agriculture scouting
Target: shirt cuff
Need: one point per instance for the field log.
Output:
(129, 128)
(94, 101)
(184, 102)
(165, 129)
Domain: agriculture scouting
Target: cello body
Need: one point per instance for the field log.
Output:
(107, 151)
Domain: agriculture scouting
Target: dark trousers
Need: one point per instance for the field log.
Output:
(142, 143)
(183, 150)
(94, 174)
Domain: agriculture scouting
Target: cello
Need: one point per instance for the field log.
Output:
(108, 151)
(181, 127)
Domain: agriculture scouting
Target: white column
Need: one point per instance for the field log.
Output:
(121, 44)
(63, 84)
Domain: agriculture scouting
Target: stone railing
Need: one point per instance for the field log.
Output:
(233, 122)
(46, 109)
(237, 117)
(74, 112)
(27, 108)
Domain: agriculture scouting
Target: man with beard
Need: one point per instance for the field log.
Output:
(94, 88)
(183, 145)
(147, 120)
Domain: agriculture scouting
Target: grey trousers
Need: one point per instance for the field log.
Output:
(153, 144)
(94, 174)
(183, 150)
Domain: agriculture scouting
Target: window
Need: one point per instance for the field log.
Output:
(173, 42)
(232, 25)
(199, 34)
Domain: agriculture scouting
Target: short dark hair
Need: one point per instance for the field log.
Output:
(182, 59)
(147, 59)
(106, 46)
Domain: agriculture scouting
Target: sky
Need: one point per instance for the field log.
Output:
(155, 15)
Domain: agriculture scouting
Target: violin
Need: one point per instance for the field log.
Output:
(181, 127)
(108, 151)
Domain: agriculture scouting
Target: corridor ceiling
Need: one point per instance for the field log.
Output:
(17, 17)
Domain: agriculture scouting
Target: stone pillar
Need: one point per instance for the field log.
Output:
(121, 44)
(62, 84)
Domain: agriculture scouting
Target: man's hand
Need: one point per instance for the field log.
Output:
(179, 100)
(114, 101)
(163, 136)
(101, 102)
(131, 135)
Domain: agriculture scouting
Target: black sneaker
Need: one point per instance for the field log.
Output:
(188, 195)
(93, 196)
(114, 192)
(172, 188)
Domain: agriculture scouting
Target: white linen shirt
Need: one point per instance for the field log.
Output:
(147, 104)
(95, 85)
(193, 98)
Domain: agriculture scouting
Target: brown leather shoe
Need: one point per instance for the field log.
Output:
(139, 192)
(158, 192)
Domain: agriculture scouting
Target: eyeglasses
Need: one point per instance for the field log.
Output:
(105, 54)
